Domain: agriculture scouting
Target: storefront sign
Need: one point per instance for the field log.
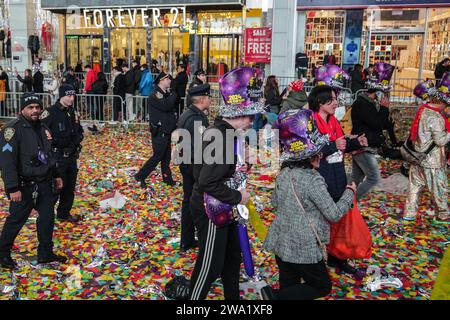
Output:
(64, 4)
(114, 18)
(313, 4)
(353, 36)
(258, 45)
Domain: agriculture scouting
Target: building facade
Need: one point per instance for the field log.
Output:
(203, 34)
(413, 35)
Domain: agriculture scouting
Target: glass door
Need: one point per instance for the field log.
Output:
(219, 55)
(86, 49)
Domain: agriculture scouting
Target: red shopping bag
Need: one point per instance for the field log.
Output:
(350, 237)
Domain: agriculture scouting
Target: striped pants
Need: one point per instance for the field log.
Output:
(219, 256)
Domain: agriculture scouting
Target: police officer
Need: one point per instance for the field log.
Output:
(64, 125)
(194, 120)
(161, 104)
(28, 173)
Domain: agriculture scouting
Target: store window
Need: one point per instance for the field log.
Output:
(324, 36)
(403, 19)
(438, 38)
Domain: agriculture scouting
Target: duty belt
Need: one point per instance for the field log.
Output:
(34, 181)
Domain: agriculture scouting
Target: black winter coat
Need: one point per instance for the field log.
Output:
(161, 106)
(211, 178)
(180, 83)
(38, 82)
(100, 87)
(334, 173)
(130, 82)
(367, 119)
(119, 88)
(22, 141)
(27, 83)
(357, 81)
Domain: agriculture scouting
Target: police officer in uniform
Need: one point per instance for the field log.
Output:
(29, 176)
(64, 125)
(162, 105)
(195, 121)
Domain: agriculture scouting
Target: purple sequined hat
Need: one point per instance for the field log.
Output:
(426, 89)
(242, 92)
(421, 91)
(384, 75)
(444, 88)
(299, 136)
(331, 75)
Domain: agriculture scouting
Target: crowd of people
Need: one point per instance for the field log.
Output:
(312, 189)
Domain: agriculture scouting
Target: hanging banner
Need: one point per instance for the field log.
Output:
(258, 45)
(353, 36)
(314, 4)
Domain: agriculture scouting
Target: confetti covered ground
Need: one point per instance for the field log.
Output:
(132, 252)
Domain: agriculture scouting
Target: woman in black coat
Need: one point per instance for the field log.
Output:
(27, 80)
(357, 79)
(99, 87)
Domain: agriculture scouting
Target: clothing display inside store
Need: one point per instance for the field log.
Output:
(47, 34)
(324, 36)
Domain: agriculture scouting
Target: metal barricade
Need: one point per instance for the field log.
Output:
(10, 103)
(101, 108)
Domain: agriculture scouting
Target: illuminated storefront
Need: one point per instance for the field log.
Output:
(206, 35)
(412, 35)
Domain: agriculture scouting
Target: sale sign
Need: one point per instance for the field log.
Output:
(258, 45)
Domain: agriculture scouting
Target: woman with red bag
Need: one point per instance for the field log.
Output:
(323, 102)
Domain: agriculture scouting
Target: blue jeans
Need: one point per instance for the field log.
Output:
(365, 173)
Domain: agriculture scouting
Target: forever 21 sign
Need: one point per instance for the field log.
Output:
(116, 17)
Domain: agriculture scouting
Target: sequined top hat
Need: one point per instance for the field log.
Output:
(331, 75)
(242, 92)
(299, 135)
(425, 90)
(384, 75)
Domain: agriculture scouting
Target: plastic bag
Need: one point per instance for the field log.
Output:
(350, 237)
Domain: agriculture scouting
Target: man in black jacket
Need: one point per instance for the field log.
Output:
(219, 254)
(162, 123)
(119, 89)
(194, 120)
(441, 68)
(179, 87)
(27, 80)
(64, 124)
(130, 88)
(38, 81)
(28, 170)
(367, 119)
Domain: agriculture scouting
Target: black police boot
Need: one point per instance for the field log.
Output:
(141, 180)
(267, 293)
(52, 257)
(7, 262)
(192, 245)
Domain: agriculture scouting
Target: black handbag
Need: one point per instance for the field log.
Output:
(412, 156)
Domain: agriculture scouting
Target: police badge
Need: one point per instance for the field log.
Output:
(44, 114)
(9, 134)
(159, 95)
